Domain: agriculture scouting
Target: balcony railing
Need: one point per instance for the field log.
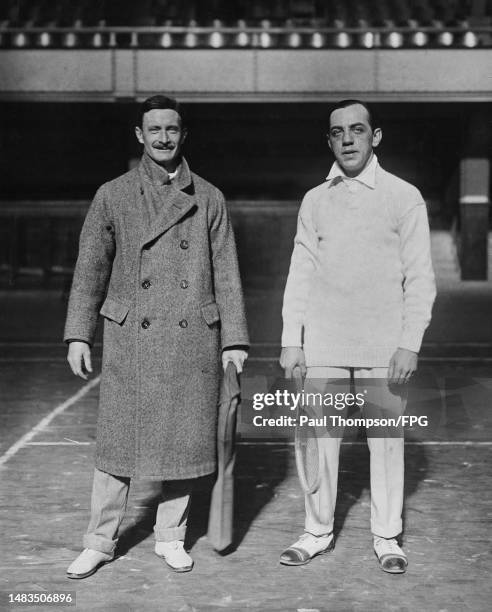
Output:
(264, 36)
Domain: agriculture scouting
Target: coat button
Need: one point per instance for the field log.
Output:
(184, 284)
(145, 324)
(184, 244)
(183, 323)
(146, 283)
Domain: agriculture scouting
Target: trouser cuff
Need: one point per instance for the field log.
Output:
(317, 529)
(99, 543)
(388, 531)
(317, 533)
(170, 534)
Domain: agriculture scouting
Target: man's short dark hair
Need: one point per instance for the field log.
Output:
(373, 120)
(162, 103)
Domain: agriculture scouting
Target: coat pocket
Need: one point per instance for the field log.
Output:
(210, 313)
(114, 310)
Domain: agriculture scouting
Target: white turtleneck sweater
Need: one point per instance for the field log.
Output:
(360, 283)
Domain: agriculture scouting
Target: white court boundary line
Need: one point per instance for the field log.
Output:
(347, 443)
(26, 438)
(58, 443)
(407, 443)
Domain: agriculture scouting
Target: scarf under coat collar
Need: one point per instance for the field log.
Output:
(152, 172)
(163, 201)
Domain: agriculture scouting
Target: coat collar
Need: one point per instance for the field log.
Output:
(153, 173)
(181, 195)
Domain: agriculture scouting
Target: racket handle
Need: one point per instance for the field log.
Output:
(297, 378)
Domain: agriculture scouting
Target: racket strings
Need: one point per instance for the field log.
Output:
(307, 448)
(308, 455)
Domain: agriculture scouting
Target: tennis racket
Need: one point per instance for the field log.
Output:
(307, 448)
(220, 525)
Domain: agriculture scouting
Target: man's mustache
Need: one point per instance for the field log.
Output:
(162, 146)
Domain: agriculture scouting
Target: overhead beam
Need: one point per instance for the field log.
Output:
(247, 75)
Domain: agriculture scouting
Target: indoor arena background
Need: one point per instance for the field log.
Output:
(257, 79)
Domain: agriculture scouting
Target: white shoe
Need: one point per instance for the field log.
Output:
(174, 554)
(391, 557)
(307, 547)
(88, 562)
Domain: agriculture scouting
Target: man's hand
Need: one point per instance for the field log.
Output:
(79, 358)
(401, 366)
(237, 356)
(290, 357)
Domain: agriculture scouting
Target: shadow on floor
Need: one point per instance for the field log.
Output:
(259, 471)
(354, 478)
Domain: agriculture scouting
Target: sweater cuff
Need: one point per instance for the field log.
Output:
(411, 340)
(292, 336)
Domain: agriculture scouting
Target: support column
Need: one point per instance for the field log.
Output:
(475, 201)
(124, 73)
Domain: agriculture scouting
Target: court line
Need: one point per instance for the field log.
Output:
(26, 438)
(36, 359)
(423, 360)
(259, 442)
(356, 443)
(35, 344)
(407, 443)
(59, 344)
(58, 443)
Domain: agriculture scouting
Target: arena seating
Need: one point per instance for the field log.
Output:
(242, 24)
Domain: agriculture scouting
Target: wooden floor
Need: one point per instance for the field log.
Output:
(47, 445)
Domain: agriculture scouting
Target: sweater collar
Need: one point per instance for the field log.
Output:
(160, 176)
(366, 177)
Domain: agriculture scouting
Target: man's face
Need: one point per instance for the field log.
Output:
(162, 136)
(352, 139)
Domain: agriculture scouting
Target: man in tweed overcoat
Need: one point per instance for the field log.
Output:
(157, 260)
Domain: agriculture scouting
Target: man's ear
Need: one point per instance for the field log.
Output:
(376, 137)
(329, 141)
(139, 134)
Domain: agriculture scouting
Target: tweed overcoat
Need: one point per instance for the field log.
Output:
(167, 283)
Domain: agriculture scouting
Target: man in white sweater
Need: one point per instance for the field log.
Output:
(358, 299)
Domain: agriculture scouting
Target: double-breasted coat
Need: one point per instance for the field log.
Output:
(157, 260)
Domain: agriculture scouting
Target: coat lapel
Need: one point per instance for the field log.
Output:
(181, 200)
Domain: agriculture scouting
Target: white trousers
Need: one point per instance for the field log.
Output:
(386, 462)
